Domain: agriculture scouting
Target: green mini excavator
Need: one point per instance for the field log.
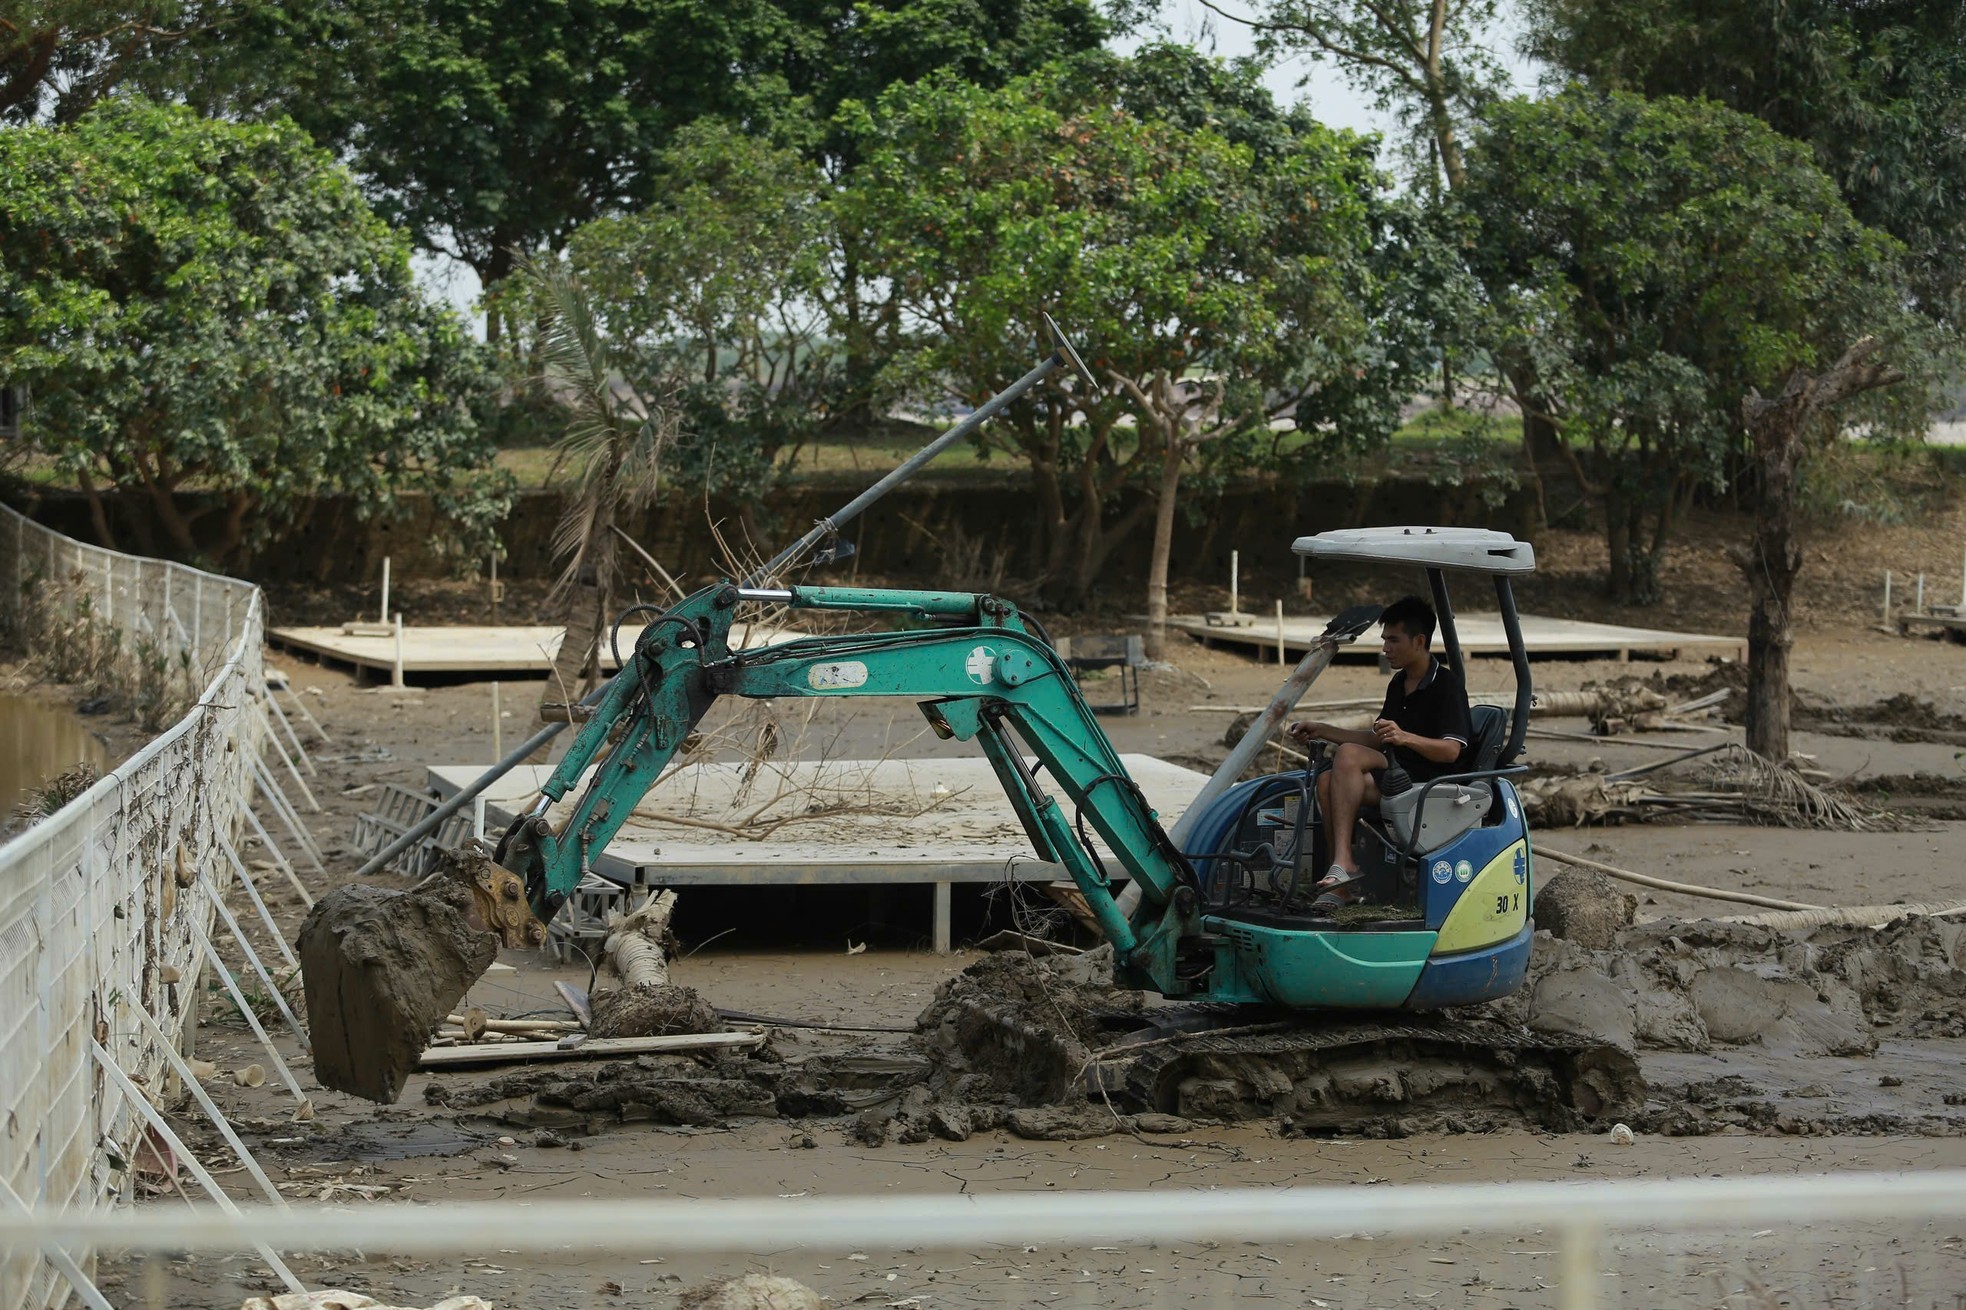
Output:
(1220, 918)
(1227, 919)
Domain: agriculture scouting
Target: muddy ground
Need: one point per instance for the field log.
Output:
(1851, 1074)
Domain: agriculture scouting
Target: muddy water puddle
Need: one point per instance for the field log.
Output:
(37, 742)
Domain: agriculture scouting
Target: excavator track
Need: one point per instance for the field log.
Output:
(1352, 1076)
(1315, 1073)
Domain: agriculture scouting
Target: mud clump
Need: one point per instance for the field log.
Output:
(751, 1292)
(1902, 717)
(1019, 1028)
(1676, 1026)
(651, 1012)
(1744, 1027)
(1722, 674)
(381, 970)
(1584, 907)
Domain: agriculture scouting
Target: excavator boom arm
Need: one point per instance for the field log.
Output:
(988, 679)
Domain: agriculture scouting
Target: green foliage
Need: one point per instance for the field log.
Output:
(845, 53)
(1214, 279)
(59, 57)
(615, 435)
(1428, 62)
(719, 291)
(1647, 263)
(210, 307)
(486, 126)
(1877, 91)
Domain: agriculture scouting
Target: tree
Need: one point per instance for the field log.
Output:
(1214, 282)
(59, 57)
(1782, 431)
(1427, 61)
(493, 126)
(1646, 263)
(720, 293)
(1876, 90)
(201, 306)
(614, 443)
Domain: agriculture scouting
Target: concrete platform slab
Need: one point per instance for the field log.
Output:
(468, 649)
(936, 821)
(1481, 634)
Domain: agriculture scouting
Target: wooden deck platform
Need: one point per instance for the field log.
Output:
(1952, 626)
(466, 649)
(1481, 634)
(938, 821)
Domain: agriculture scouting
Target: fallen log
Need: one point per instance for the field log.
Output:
(638, 942)
(1858, 916)
(516, 1025)
(1666, 885)
(646, 1004)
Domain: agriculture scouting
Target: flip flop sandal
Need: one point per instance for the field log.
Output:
(1337, 889)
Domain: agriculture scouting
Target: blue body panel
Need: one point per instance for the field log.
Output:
(1437, 896)
(1472, 976)
(1353, 969)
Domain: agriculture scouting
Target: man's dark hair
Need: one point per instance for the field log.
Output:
(1414, 616)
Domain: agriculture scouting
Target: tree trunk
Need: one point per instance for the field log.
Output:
(98, 515)
(175, 525)
(1617, 547)
(492, 270)
(1779, 430)
(1770, 565)
(1164, 506)
(576, 663)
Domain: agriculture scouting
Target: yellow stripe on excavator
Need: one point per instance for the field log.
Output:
(1493, 908)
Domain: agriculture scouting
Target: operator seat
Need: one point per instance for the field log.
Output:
(1452, 808)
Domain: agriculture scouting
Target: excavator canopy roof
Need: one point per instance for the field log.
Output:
(1472, 550)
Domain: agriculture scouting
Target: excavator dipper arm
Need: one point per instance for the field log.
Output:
(988, 678)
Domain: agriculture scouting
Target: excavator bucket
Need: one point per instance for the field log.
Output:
(382, 968)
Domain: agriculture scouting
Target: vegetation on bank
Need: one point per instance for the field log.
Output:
(1728, 233)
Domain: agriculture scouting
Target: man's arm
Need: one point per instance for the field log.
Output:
(1438, 750)
(1312, 730)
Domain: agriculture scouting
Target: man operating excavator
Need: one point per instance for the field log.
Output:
(1422, 732)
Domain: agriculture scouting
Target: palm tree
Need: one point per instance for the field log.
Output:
(613, 442)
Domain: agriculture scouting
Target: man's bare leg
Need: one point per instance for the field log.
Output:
(1350, 788)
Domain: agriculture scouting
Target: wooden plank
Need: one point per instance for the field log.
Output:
(1481, 634)
(510, 1052)
(467, 648)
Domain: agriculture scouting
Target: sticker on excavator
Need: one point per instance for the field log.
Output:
(981, 666)
(833, 677)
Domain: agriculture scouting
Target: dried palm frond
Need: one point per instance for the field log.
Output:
(1736, 786)
(1777, 795)
(616, 431)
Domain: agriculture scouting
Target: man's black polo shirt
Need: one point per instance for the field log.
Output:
(1437, 708)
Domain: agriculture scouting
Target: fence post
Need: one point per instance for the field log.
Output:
(1577, 1283)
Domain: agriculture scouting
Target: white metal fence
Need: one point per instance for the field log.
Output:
(1763, 1243)
(104, 905)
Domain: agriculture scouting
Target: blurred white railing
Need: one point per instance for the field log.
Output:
(103, 904)
(1583, 1230)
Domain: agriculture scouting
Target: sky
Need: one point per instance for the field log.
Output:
(1291, 81)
